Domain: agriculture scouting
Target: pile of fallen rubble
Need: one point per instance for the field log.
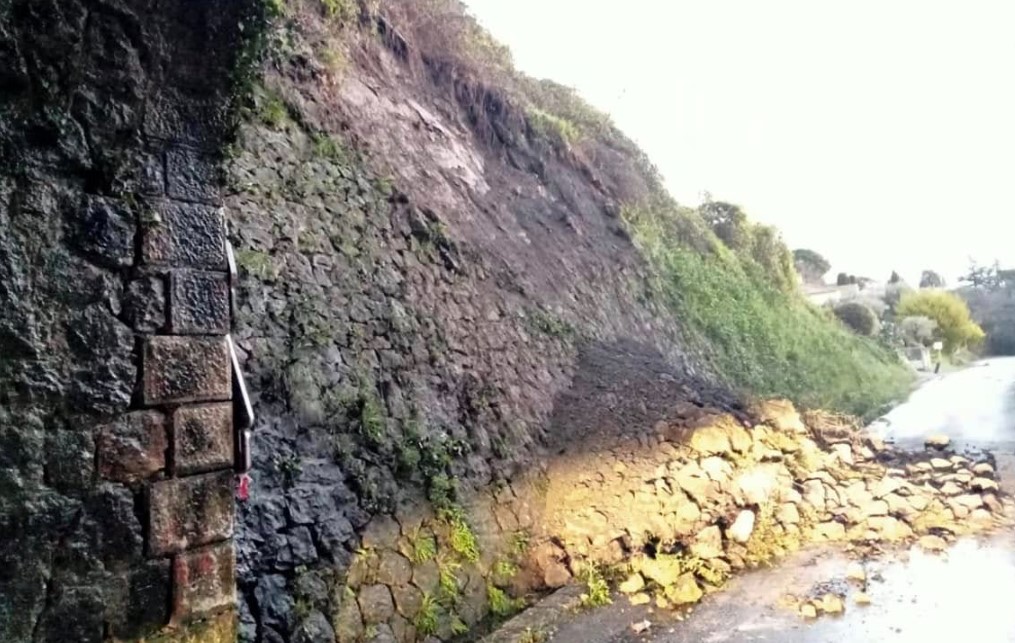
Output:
(676, 519)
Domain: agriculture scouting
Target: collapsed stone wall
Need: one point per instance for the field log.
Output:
(116, 451)
(669, 519)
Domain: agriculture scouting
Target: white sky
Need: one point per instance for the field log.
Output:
(880, 133)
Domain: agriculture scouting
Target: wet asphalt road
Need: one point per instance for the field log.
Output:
(966, 594)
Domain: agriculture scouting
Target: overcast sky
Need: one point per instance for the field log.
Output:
(880, 133)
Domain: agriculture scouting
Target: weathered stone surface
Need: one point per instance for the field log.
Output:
(829, 531)
(932, 543)
(939, 441)
(204, 580)
(742, 528)
(315, 628)
(781, 415)
(148, 600)
(382, 532)
(104, 232)
(633, 583)
(556, 575)
(890, 528)
(186, 369)
(711, 440)
(983, 469)
(684, 590)
(349, 623)
(144, 304)
(185, 235)
(983, 484)
(708, 543)
(831, 604)
(187, 512)
(393, 569)
(375, 604)
(664, 571)
(756, 485)
(788, 514)
(202, 438)
(200, 303)
(191, 175)
(408, 600)
(133, 447)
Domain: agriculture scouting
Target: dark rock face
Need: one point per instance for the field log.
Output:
(111, 113)
(404, 332)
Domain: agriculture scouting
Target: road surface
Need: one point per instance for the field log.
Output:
(965, 594)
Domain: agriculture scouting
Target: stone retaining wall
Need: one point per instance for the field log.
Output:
(116, 433)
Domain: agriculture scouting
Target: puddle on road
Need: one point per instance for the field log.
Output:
(965, 593)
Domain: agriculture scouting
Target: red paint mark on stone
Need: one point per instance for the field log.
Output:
(205, 564)
(243, 487)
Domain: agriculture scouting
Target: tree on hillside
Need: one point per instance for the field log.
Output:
(727, 221)
(954, 324)
(860, 319)
(895, 278)
(982, 276)
(930, 279)
(811, 265)
(752, 242)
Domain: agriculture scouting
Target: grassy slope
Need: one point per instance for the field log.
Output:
(763, 340)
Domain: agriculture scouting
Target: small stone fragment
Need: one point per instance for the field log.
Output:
(832, 604)
(938, 441)
(951, 489)
(855, 572)
(861, 598)
(708, 543)
(634, 583)
(641, 598)
(788, 514)
(932, 543)
(742, 527)
(684, 591)
(983, 484)
(641, 626)
(808, 611)
(992, 502)
(983, 469)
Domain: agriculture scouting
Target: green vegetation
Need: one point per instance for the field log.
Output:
(340, 10)
(428, 616)
(858, 317)
(257, 264)
(501, 604)
(761, 335)
(424, 548)
(326, 147)
(272, 110)
(954, 324)
(460, 535)
(811, 265)
(597, 590)
(550, 324)
(553, 127)
(447, 571)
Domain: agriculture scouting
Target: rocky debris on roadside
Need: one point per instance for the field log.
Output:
(729, 498)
